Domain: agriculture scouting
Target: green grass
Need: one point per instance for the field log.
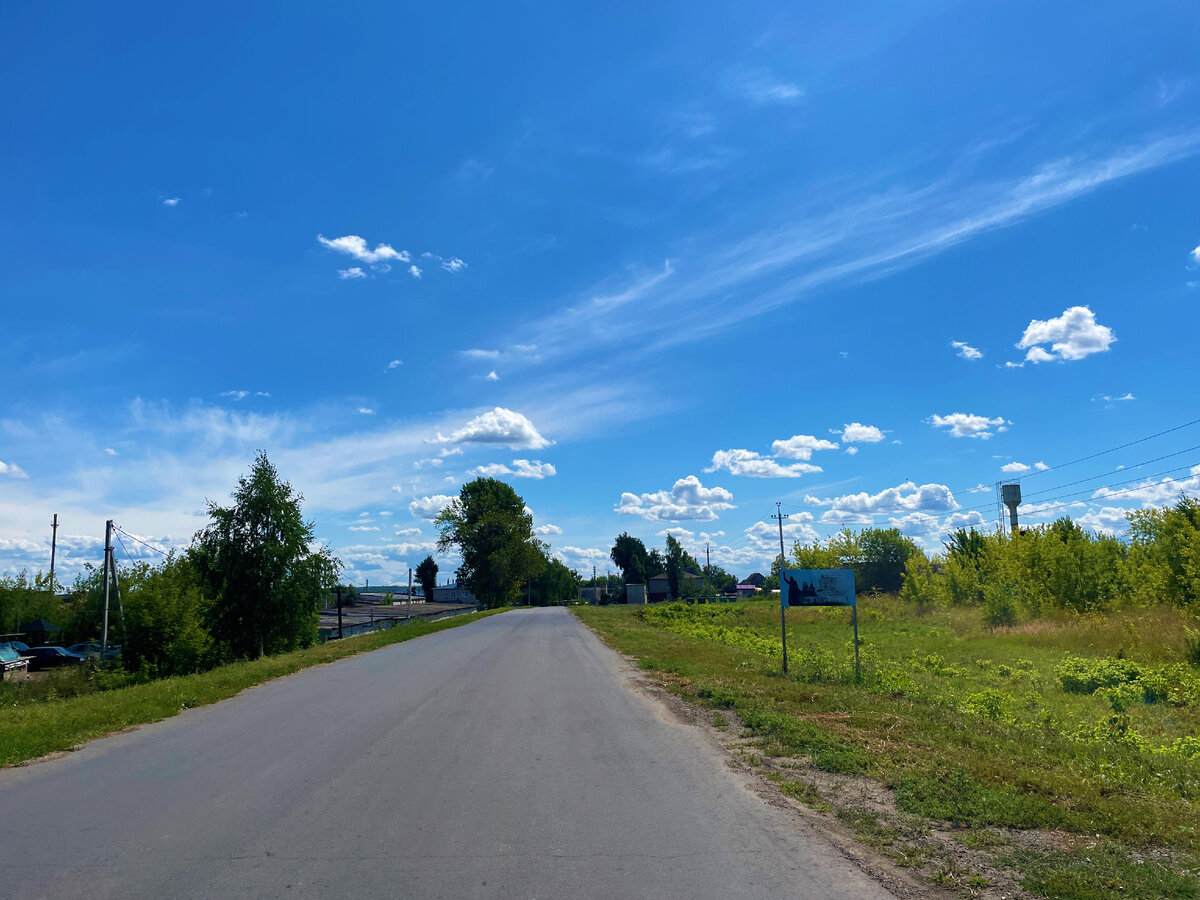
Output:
(29, 730)
(1085, 725)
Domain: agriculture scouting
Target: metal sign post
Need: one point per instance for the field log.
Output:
(821, 587)
(780, 516)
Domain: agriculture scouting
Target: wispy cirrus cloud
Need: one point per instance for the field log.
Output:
(847, 238)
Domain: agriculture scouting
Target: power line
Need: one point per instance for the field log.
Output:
(139, 540)
(1112, 450)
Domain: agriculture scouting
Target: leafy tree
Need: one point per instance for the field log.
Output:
(656, 563)
(882, 555)
(257, 567)
(630, 556)
(23, 598)
(675, 563)
(165, 609)
(1165, 552)
(966, 546)
(427, 572)
(494, 533)
(718, 579)
(558, 584)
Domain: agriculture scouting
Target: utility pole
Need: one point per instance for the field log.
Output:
(780, 516)
(339, 596)
(53, 547)
(108, 570)
(410, 586)
(707, 566)
(595, 599)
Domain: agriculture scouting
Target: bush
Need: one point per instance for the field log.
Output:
(1086, 675)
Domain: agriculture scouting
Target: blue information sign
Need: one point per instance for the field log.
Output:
(816, 587)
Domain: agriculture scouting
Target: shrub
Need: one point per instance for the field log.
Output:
(1086, 675)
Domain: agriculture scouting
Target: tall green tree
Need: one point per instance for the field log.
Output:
(675, 562)
(260, 573)
(164, 630)
(489, 523)
(630, 556)
(427, 572)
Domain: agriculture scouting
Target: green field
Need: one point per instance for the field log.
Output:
(1062, 755)
(35, 721)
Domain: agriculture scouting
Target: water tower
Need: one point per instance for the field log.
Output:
(1010, 496)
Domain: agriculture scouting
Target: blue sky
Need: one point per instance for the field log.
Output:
(658, 267)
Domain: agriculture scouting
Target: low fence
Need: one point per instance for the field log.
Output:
(329, 632)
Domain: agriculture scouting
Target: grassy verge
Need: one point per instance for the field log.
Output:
(32, 729)
(1057, 759)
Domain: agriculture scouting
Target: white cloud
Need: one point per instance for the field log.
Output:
(761, 87)
(12, 470)
(1109, 398)
(451, 264)
(1073, 335)
(1021, 467)
(1196, 255)
(426, 507)
(450, 451)
(170, 201)
(500, 426)
(753, 465)
(801, 446)
(687, 499)
(235, 395)
(548, 529)
(966, 351)
(850, 451)
(861, 508)
(492, 376)
(394, 363)
(581, 555)
(854, 433)
(110, 451)
(763, 537)
(408, 532)
(353, 245)
(414, 271)
(351, 273)
(521, 468)
(365, 411)
(480, 354)
(1154, 493)
(969, 425)
(364, 528)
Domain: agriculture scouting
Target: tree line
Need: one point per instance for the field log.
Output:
(250, 584)
(1055, 566)
(639, 564)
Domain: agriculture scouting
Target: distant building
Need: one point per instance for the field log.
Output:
(745, 589)
(755, 578)
(452, 593)
(658, 587)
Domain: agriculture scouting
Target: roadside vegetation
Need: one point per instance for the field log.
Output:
(1007, 754)
(1028, 715)
(62, 712)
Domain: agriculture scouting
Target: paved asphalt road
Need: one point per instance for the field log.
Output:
(506, 758)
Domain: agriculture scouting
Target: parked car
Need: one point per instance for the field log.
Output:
(51, 657)
(91, 650)
(10, 660)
